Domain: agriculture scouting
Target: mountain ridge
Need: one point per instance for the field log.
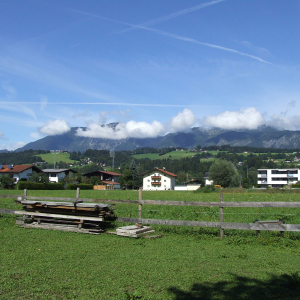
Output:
(263, 137)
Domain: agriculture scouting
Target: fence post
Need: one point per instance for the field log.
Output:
(77, 194)
(221, 217)
(25, 194)
(140, 204)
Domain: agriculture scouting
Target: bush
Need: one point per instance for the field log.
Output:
(82, 186)
(22, 185)
(206, 189)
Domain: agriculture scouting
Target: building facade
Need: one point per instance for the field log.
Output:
(107, 178)
(18, 172)
(277, 178)
(159, 180)
(59, 174)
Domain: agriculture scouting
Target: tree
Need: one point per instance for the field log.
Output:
(39, 177)
(95, 180)
(224, 173)
(136, 178)
(6, 181)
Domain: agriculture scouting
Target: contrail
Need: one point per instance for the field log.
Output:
(178, 37)
(105, 103)
(176, 14)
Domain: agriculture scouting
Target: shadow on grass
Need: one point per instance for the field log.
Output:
(276, 287)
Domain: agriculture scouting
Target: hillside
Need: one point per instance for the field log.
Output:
(265, 137)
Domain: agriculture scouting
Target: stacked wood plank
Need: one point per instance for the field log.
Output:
(134, 231)
(65, 216)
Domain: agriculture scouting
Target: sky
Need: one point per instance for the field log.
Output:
(154, 67)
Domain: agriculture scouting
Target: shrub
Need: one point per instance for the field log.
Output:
(22, 185)
(206, 189)
(82, 186)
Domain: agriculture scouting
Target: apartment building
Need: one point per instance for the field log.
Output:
(277, 177)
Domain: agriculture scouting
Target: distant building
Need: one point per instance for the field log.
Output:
(158, 179)
(277, 178)
(107, 178)
(18, 172)
(58, 174)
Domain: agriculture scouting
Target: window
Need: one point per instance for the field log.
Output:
(148, 180)
(52, 175)
(165, 180)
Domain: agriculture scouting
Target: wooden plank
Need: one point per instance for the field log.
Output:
(241, 226)
(80, 199)
(59, 216)
(63, 228)
(223, 204)
(169, 222)
(9, 196)
(7, 211)
(221, 216)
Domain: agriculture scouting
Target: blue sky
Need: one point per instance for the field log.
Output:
(153, 66)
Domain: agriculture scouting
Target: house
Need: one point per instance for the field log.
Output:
(18, 172)
(277, 177)
(58, 174)
(207, 180)
(106, 178)
(159, 180)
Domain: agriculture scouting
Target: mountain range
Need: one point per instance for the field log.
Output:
(263, 137)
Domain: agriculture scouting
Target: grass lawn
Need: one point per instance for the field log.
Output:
(186, 263)
(49, 158)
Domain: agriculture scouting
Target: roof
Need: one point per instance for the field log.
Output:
(110, 182)
(18, 168)
(58, 170)
(162, 171)
(109, 173)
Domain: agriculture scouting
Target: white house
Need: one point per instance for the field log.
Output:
(158, 180)
(58, 174)
(277, 177)
(18, 171)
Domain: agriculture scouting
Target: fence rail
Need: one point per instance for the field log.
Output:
(269, 226)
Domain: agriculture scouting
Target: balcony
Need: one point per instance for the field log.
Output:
(156, 183)
(156, 177)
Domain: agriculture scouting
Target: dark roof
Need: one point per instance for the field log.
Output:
(58, 170)
(18, 168)
(162, 171)
(99, 172)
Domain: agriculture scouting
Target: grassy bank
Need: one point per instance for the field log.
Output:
(186, 263)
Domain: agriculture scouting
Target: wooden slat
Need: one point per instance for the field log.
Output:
(169, 222)
(7, 211)
(241, 226)
(59, 216)
(223, 204)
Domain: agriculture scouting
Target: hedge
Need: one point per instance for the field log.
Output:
(22, 185)
(82, 186)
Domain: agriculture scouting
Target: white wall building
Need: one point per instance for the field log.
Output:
(277, 177)
(58, 174)
(158, 180)
(18, 171)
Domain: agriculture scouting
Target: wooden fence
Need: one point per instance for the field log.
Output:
(257, 226)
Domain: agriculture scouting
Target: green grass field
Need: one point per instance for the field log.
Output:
(49, 158)
(186, 263)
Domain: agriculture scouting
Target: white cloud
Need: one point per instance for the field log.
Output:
(12, 146)
(123, 130)
(182, 121)
(285, 122)
(248, 118)
(55, 127)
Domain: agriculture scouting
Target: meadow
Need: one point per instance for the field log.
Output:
(186, 263)
(49, 158)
